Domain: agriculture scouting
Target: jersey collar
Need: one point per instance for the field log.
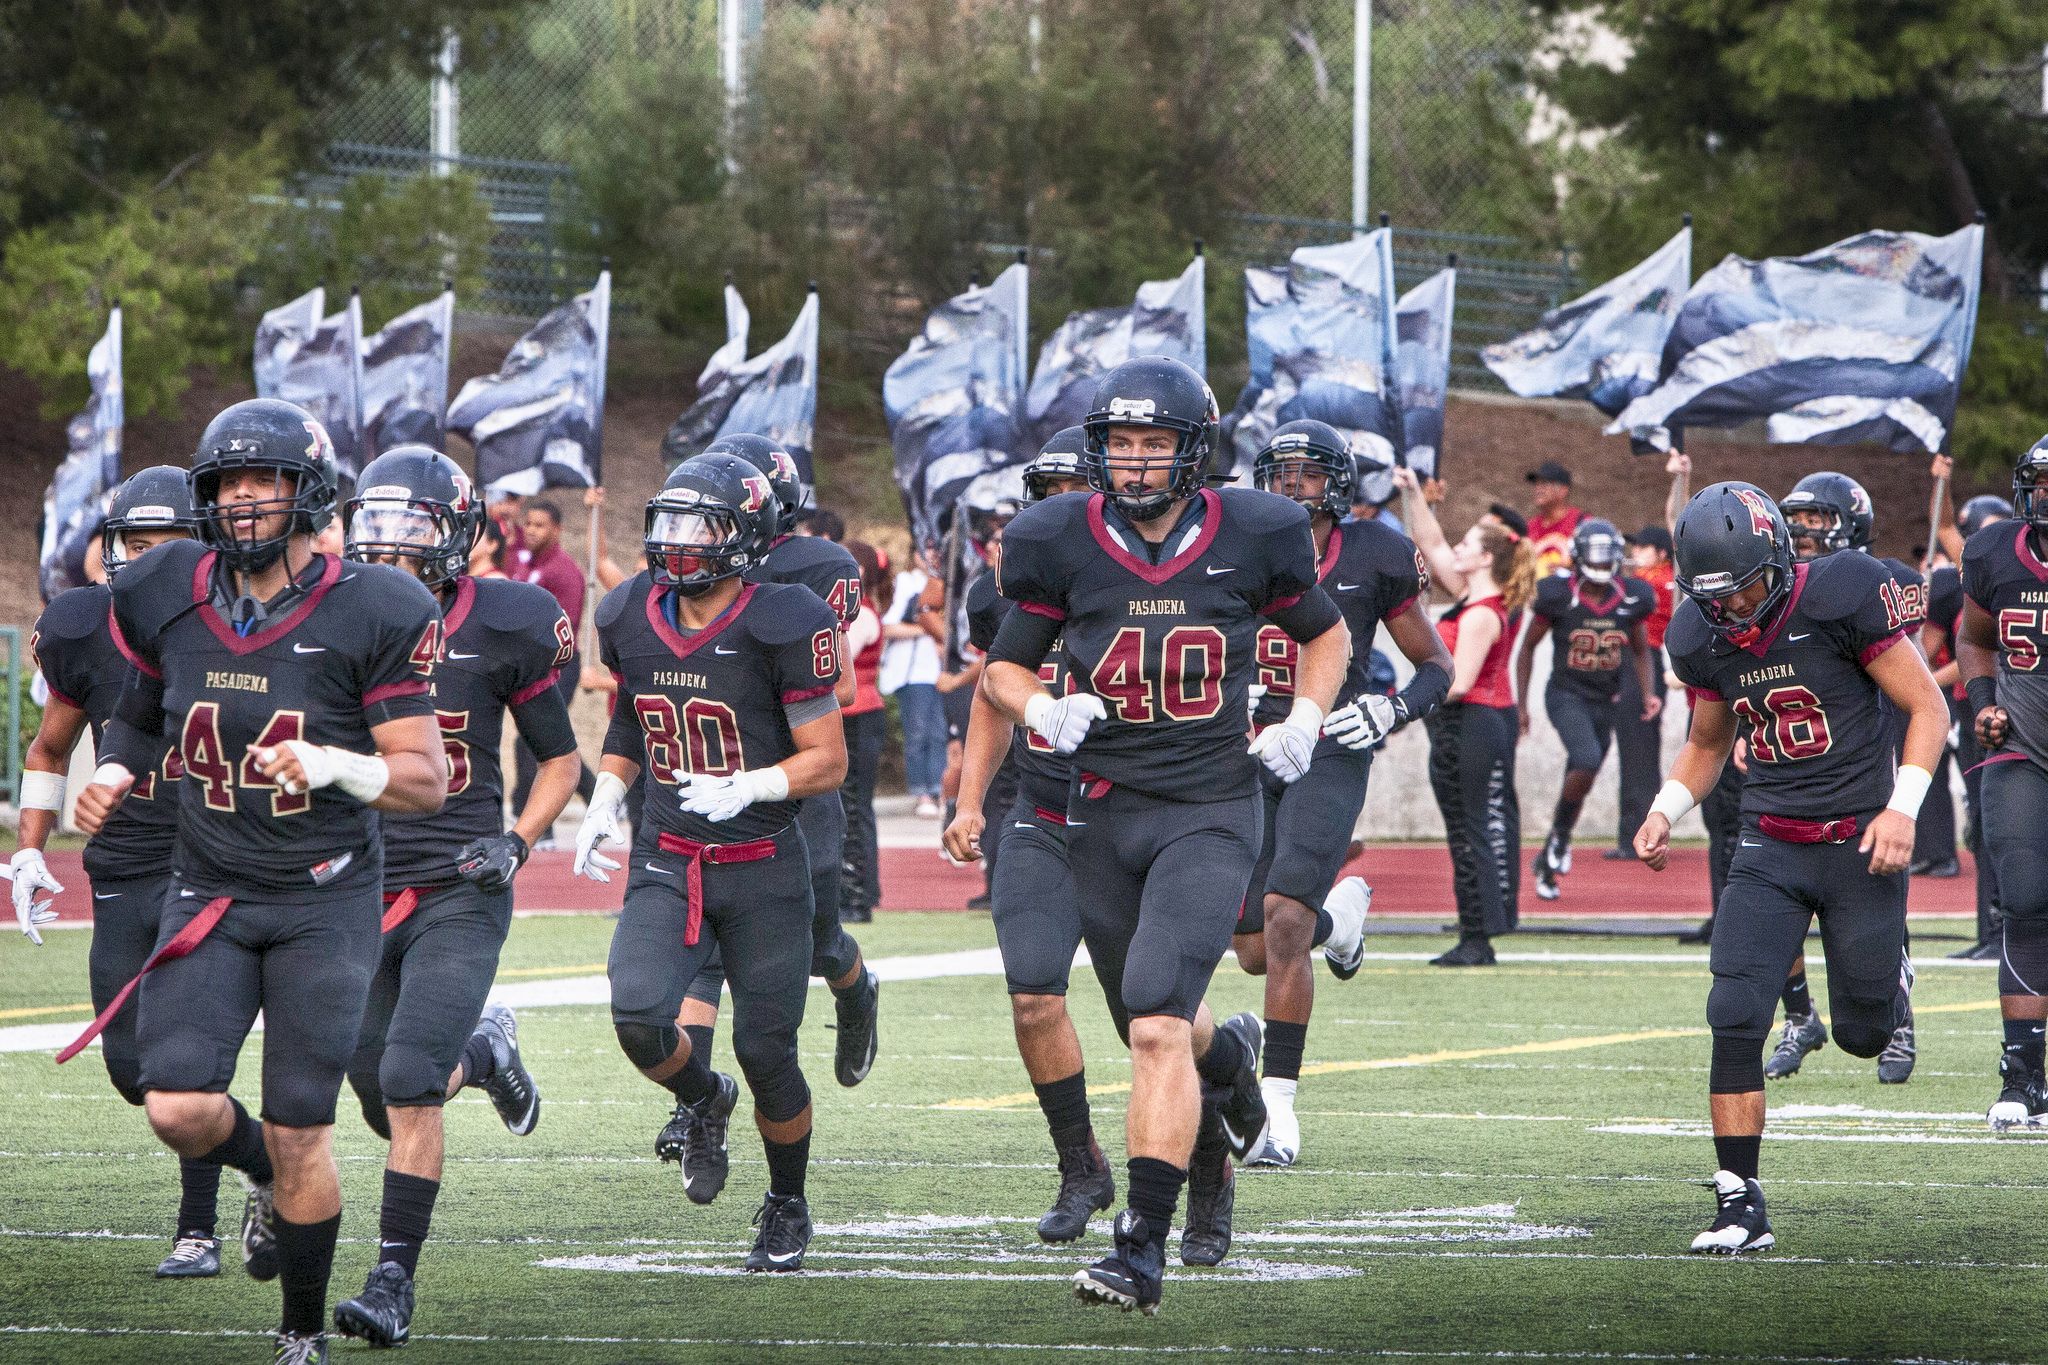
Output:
(1614, 593)
(458, 610)
(202, 592)
(1330, 553)
(1763, 642)
(1155, 574)
(2023, 546)
(685, 645)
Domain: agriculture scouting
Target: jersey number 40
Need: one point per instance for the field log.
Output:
(1183, 678)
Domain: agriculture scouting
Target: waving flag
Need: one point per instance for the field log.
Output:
(539, 421)
(1602, 346)
(75, 504)
(282, 333)
(955, 399)
(405, 377)
(1320, 337)
(774, 395)
(1164, 319)
(718, 387)
(1865, 340)
(1422, 375)
(321, 370)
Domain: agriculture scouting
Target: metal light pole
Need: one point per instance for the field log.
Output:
(1361, 109)
(445, 107)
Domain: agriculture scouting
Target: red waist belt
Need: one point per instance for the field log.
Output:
(753, 851)
(398, 907)
(1051, 817)
(1788, 830)
(186, 939)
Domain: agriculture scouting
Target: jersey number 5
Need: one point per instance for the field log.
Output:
(2019, 635)
(1796, 727)
(1186, 680)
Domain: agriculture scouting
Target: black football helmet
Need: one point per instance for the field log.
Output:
(1059, 458)
(1840, 499)
(714, 519)
(155, 499)
(1596, 550)
(1980, 512)
(415, 502)
(1313, 443)
(1152, 392)
(2030, 486)
(777, 463)
(1731, 535)
(263, 433)
(991, 501)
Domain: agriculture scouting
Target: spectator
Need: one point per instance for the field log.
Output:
(1554, 518)
(487, 556)
(860, 888)
(508, 509)
(1638, 743)
(913, 628)
(548, 565)
(822, 522)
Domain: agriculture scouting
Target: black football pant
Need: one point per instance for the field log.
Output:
(1584, 724)
(1934, 834)
(1472, 773)
(1306, 831)
(125, 915)
(860, 885)
(1037, 917)
(2015, 843)
(833, 951)
(1969, 755)
(1638, 751)
(1003, 790)
(525, 765)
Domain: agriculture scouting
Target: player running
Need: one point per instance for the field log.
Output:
(295, 687)
(77, 647)
(1594, 615)
(1295, 904)
(448, 877)
(1155, 587)
(726, 698)
(1802, 655)
(1037, 918)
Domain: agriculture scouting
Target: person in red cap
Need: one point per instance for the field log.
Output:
(1553, 519)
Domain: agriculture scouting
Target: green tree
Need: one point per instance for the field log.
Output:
(397, 238)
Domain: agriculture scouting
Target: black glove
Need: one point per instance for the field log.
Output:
(488, 863)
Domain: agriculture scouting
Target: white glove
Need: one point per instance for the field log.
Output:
(1253, 695)
(1064, 723)
(1286, 748)
(600, 823)
(28, 874)
(1365, 723)
(721, 798)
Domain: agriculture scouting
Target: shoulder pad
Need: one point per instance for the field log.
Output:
(1552, 595)
(1905, 574)
(1048, 520)
(1688, 633)
(389, 589)
(1838, 585)
(781, 613)
(981, 593)
(822, 551)
(75, 613)
(514, 608)
(1261, 512)
(156, 588)
(1638, 589)
(614, 603)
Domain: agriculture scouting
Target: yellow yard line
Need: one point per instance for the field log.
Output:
(587, 969)
(1962, 1008)
(45, 1009)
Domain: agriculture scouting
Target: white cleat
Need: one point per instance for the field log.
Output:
(1740, 1224)
(1347, 905)
(1283, 1129)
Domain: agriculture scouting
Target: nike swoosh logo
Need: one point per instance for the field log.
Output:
(308, 649)
(186, 894)
(453, 655)
(1347, 587)
(1752, 843)
(721, 649)
(785, 1258)
(661, 870)
(107, 895)
(1795, 639)
(1212, 570)
(1077, 824)
(1019, 825)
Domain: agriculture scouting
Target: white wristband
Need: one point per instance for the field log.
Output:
(111, 774)
(769, 784)
(1909, 789)
(1305, 715)
(1673, 801)
(363, 776)
(41, 790)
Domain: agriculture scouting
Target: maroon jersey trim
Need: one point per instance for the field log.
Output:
(1330, 553)
(1279, 605)
(686, 646)
(1878, 647)
(1155, 574)
(1615, 596)
(1762, 644)
(55, 695)
(120, 643)
(535, 688)
(1699, 694)
(1407, 604)
(398, 689)
(458, 610)
(804, 695)
(330, 574)
(1040, 609)
(2023, 547)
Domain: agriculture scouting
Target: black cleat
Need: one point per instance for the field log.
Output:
(1937, 867)
(1545, 876)
(785, 1225)
(1895, 1063)
(2023, 1102)
(1086, 1186)
(512, 1091)
(259, 1236)
(300, 1348)
(1212, 1195)
(1241, 1106)
(1473, 950)
(854, 1055)
(705, 1160)
(1619, 855)
(382, 1313)
(194, 1256)
(1804, 1034)
(1984, 950)
(674, 1138)
(1129, 1277)
(1739, 1223)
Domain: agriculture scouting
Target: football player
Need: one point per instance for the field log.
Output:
(1295, 904)
(1156, 586)
(295, 689)
(1037, 920)
(726, 699)
(77, 648)
(448, 877)
(1828, 514)
(1999, 642)
(1594, 615)
(1801, 655)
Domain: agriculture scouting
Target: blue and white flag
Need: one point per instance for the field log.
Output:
(1422, 373)
(405, 378)
(320, 369)
(718, 388)
(76, 502)
(281, 333)
(774, 395)
(539, 421)
(1166, 319)
(1320, 337)
(1603, 346)
(955, 399)
(1865, 340)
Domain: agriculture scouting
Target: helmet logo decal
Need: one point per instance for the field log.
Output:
(1760, 510)
(319, 435)
(386, 492)
(1139, 408)
(758, 492)
(785, 467)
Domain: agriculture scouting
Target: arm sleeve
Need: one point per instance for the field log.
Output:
(622, 736)
(1307, 616)
(1426, 690)
(1025, 638)
(405, 643)
(1405, 579)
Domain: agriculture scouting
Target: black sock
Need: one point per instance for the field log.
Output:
(1218, 1066)
(305, 1260)
(694, 1083)
(1798, 1000)
(788, 1162)
(1284, 1044)
(198, 1195)
(1065, 1102)
(1154, 1187)
(1738, 1155)
(2025, 1040)
(1563, 819)
(402, 1222)
(478, 1065)
(243, 1149)
(1325, 926)
(862, 987)
(701, 1036)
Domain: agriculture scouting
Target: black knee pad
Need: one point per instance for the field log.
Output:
(1737, 1066)
(2023, 964)
(647, 1046)
(126, 1074)
(409, 1076)
(774, 1076)
(2022, 881)
(1740, 1008)
(1862, 1015)
(300, 1100)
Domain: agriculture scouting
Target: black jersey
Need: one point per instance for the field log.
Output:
(501, 645)
(356, 650)
(84, 661)
(1808, 709)
(1171, 647)
(1041, 774)
(1591, 625)
(2008, 581)
(713, 701)
(1913, 592)
(1373, 573)
(1945, 609)
(827, 569)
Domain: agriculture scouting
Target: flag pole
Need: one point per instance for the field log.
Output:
(355, 376)
(603, 328)
(1948, 431)
(447, 353)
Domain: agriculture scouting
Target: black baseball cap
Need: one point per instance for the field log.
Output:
(1550, 471)
(1654, 536)
(1510, 518)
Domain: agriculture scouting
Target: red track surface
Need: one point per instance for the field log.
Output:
(1408, 879)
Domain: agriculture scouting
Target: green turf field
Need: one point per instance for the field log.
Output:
(1503, 1161)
